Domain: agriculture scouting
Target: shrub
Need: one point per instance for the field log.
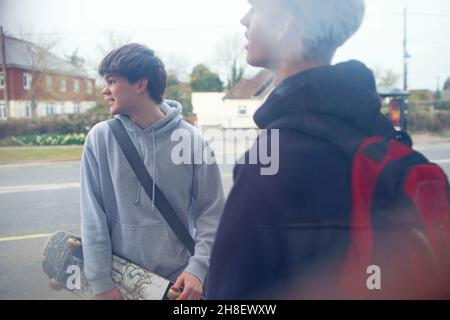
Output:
(424, 121)
(49, 140)
(54, 125)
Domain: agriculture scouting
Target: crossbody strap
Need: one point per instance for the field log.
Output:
(141, 172)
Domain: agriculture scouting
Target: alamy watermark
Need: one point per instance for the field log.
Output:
(228, 147)
(73, 281)
(374, 280)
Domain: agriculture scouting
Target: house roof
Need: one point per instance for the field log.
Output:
(29, 56)
(252, 88)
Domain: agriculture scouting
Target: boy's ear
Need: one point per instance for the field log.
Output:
(142, 86)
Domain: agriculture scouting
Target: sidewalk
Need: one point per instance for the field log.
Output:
(426, 139)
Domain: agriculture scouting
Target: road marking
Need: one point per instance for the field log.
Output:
(39, 187)
(65, 166)
(27, 237)
(48, 164)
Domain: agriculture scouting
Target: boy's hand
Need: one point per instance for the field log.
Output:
(112, 294)
(192, 286)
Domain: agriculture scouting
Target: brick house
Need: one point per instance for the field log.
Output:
(42, 84)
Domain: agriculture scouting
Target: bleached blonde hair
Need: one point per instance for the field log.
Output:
(325, 25)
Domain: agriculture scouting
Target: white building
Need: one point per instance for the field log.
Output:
(234, 109)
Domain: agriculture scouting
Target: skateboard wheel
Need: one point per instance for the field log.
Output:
(55, 284)
(73, 243)
(172, 294)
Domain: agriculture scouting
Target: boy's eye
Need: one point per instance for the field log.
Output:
(110, 81)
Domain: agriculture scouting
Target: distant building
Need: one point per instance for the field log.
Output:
(235, 108)
(38, 78)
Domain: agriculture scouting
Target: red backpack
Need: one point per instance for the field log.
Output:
(400, 220)
(400, 223)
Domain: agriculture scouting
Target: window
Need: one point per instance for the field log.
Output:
(76, 108)
(2, 111)
(76, 85)
(48, 80)
(28, 110)
(242, 110)
(27, 78)
(89, 87)
(63, 87)
(62, 108)
(49, 109)
(2, 80)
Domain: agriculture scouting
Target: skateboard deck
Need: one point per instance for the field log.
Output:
(63, 264)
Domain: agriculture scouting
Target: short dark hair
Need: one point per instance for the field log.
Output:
(135, 62)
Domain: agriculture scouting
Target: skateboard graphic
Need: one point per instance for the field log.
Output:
(63, 264)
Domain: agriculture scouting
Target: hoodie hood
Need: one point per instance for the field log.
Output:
(345, 91)
(172, 117)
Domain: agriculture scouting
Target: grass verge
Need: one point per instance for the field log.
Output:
(38, 154)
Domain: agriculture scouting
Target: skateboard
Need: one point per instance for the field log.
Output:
(63, 264)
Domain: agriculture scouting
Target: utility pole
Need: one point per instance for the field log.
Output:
(5, 73)
(406, 55)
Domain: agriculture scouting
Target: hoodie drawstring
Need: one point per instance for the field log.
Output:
(139, 187)
(138, 196)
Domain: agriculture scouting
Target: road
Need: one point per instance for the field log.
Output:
(38, 199)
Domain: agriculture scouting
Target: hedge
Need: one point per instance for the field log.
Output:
(53, 125)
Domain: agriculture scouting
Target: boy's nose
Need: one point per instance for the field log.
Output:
(245, 20)
(105, 90)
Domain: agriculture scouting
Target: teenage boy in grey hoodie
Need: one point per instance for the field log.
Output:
(116, 213)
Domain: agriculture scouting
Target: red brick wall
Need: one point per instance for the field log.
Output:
(40, 90)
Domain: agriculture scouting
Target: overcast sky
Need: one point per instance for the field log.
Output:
(190, 30)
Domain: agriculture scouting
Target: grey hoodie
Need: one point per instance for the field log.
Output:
(118, 217)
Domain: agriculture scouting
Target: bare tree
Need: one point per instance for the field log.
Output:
(114, 39)
(4, 71)
(76, 60)
(41, 62)
(386, 78)
(176, 66)
(230, 59)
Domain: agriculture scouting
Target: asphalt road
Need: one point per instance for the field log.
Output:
(38, 199)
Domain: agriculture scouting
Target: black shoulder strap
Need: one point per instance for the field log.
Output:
(141, 172)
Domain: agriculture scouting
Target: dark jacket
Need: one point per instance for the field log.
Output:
(282, 235)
